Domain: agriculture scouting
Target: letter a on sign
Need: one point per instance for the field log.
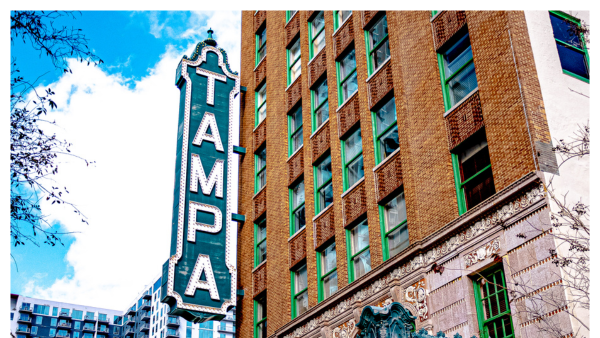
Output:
(201, 135)
(202, 265)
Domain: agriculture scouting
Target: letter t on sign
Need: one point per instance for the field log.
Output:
(210, 84)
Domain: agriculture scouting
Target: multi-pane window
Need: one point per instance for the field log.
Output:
(261, 104)
(102, 316)
(493, 308)
(261, 45)
(316, 34)
(473, 172)
(293, 62)
(22, 328)
(299, 291)
(339, 17)
(327, 268)
(289, 15)
(320, 104)
(53, 321)
(385, 130)
(323, 185)
(570, 45)
(260, 317)
(346, 76)
(55, 311)
(77, 314)
(395, 231)
(260, 169)
(352, 159)
(297, 212)
(457, 70)
(295, 139)
(359, 254)
(260, 241)
(41, 309)
(378, 44)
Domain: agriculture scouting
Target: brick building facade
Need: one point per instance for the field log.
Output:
(392, 157)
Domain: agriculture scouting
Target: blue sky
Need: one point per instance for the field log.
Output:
(123, 115)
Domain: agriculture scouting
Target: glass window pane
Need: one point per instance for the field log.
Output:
(398, 240)
(353, 145)
(318, 43)
(298, 195)
(355, 171)
(261, 158)
(295, 71)
(330, 285)
(322, 114)
(296, 119)
(321, 93)
(388, 142)
(262, 95)
(302, 303)
(362, 264)
(342, 16)
(347, 65)
(325, 196)
(299, 219)
(317, 24)
(349, 87)
(462, 84)
(297, 140)
(324, 171)
(261, 309)
(378, 32)
(360, 237)
(380, 54)
(573, 61)
(395, 212)
(565, 31)
(457, 55)
(262, 37)
(261, 231)
(295, 51)
(328, 259)
(300, 279)
(386, 115)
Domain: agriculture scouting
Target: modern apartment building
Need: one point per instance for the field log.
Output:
(396, 166)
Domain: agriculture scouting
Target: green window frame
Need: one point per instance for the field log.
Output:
(323, 184)
(260, 110)
(378, 44)
(352, 159)
(295, 137)
(347, 82)
(471, 164)
(260, 316)
(289, 15)
(570, 46)
(339, 17)
(260, 241)
(394, 227)
(299, 289)
(359, 254)
(319, 103)
(457, 70)
(316, 35)
(385, 130)
(327, 272)
(493, 307)
(260, 169)
(297, 208)
(261, 45)
(294, 65)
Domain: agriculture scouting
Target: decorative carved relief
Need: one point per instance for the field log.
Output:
(464, 120)
(294, 93)
(348, 115)
(260, 135)
(354, 203)
(380, 84)
(446, 24)
(416, 294)
(259, 18)
(320, 142)
(295, 166)
(343, 37)
(260, 73)
(324, 227)
(259, 280)
(484, 252)
(367, 16)
(388, 177)
(346, 330)
(260, 203)
(292, 28)
(317, 67)
(297, 247)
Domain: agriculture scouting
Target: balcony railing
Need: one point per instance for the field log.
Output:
(103, 330)
(129, 321)
(103, 319)
(131, 312)
(23, 329)
(129, 331)
(89, 318)
(63, 334)
(172, 333)
(145, 305)
(64, 314)
(147, 295)
(23, 319)
(145, 327)
(89, 328)
(24, 308)
(172, 321)
(145, 316)
(65, 325)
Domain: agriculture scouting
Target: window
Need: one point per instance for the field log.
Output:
(289, 15)
(327, 272)
(38, 320)
(90, 315)
(260, 317)
(339, 17)
(378, 44)
(12, 315)
(323, 185)
(77, 314)
(293, 62)
(115, 330)
(188, 332)
(75, 334)
(261, 45)
(295, 139)
(352, 159)
(52, 332)
(223, 326)
(77, 325)
(34, 330)
(22, 328)
(316, 35)
(394, 229)
(385, 130)
(102, 317)
(359, 257)
(297, 213)
(54, 311)
(25, 306)
(260, 166)
(457, 70)
(570, 44)
(493, 309)
(260, 241)
(88, 326)
(346, 76)
(222, 335)
(261, 104)
(41, 309)
(299, 291)
(65, 312)
(472, 172)
(53, 321)
(319, 104)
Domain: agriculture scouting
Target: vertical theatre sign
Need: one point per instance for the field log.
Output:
(199, 279)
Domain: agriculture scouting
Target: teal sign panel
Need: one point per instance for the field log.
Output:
(199, 279)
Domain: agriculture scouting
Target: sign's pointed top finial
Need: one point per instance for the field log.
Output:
(210, 41)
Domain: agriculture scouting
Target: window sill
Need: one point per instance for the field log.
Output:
(436, 15)
(347, 100)
(259, 265)
(315, 56)
(258, 125)
(342, 24)
(581, 78)
(322, 212)
(349, 190)
(259, 62)
(294, 82)
(290, 19)
(295, 152)
(379, 69)
(468, 96)
(296, 234)
(318, 129)
(386, 160)
(258, 192)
